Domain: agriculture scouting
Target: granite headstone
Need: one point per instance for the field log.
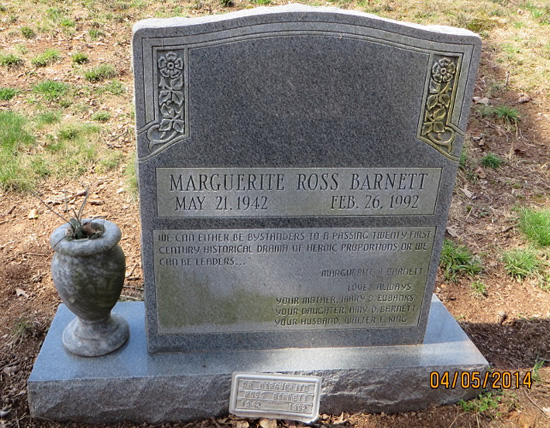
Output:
(296, 167)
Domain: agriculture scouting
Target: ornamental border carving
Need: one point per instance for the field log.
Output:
(171, 95)
(436, 127)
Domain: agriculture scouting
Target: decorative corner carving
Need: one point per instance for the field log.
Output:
(436, 128)
(171, 123)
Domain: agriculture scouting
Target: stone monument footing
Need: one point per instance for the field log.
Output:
(132, 384)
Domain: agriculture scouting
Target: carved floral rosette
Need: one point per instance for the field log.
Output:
(171, 101)
(436, 126)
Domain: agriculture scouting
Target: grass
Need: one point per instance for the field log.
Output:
(46, 58)
(74, 131)
(110, 161)
(51, 90)
(491, 160)
(48, 118)
(23, 328)
(536, 369)
(74, 148)
(67, 149)
(535, 224)
(521, 263)
(8, 93)
(509, 115)
(101, 116)
(79, 58)
(95, 34)
(10, 60)
(114, 87)
(458, 260)
(13, 138)
(100, 73)
(130, 174)
(485, 403)
(28, 32)
(479, 289)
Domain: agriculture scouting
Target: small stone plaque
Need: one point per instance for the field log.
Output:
(274, 396)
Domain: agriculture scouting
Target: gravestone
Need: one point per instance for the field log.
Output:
(296, 167)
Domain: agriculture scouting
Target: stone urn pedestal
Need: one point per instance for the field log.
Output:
(88, 275)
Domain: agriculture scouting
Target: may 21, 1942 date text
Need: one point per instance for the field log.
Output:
(481, 380)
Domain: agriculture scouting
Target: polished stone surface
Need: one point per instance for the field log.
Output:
(132, 384)
(295, 122)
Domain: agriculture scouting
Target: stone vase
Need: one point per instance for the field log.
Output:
(88, 275)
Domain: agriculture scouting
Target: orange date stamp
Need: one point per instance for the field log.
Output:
(505, 379)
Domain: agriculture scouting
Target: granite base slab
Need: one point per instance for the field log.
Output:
(132, 384)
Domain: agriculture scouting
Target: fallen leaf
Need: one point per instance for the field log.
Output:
(468, 194)
(242, 424)
(10, 370)
(478, 100)
(523, 98)
(19, 292)
(340, 419)
(268, 423)
(481, 173)
(451, 230)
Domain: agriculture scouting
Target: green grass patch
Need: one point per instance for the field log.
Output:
(13, 138)
(458, 260)
(521, 263)
(51, 90)
(55, 14)
(79, 58)
(73, 131)
(74, 148)
(67, 149)
(491, 160)
(110, 161)
(10, 60)
(8, 93)
(67, 23)
(48, 118)
(95, 34)
(100, 73)
(46, 58)
(12, 131)
(509, 115)
(114, 87)
(539, 363)
(101, 116)
(479, 289)
(28, 32)
(485, 403)
(535, 224)
(130, 174)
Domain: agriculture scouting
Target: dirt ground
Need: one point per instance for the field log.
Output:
(510, 325)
